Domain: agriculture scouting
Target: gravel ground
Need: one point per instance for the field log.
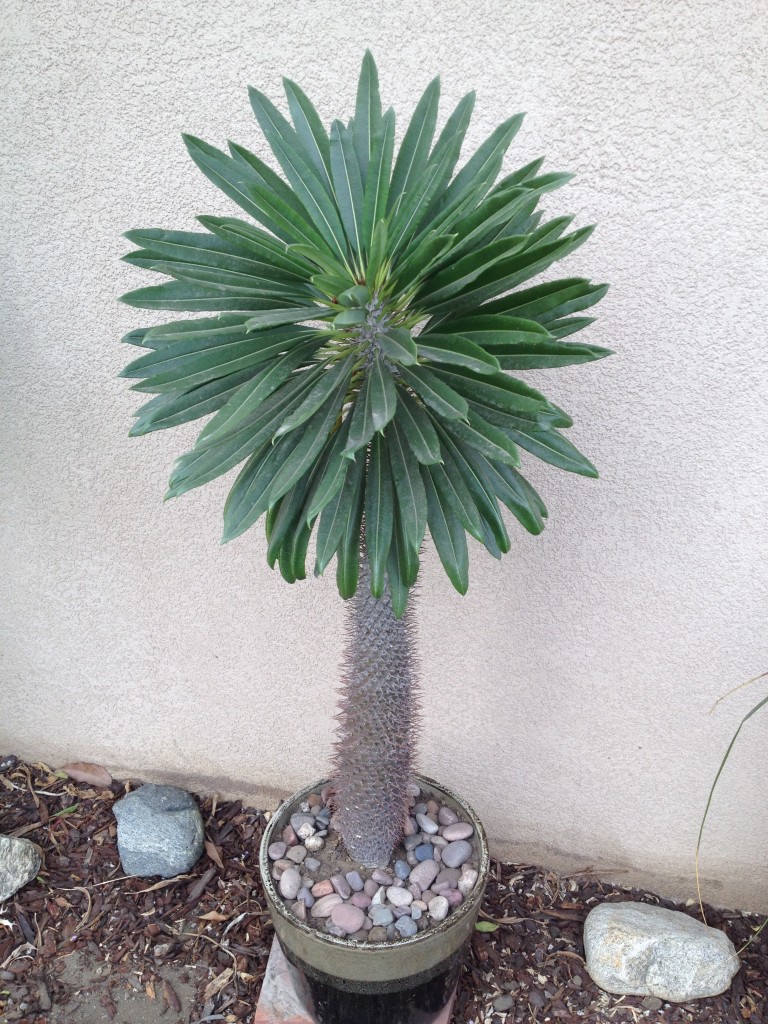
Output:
(83, 944)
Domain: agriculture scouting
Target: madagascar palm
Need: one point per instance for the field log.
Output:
(354, 361)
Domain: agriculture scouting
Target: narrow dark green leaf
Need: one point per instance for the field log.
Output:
(348, 554)
(409, 487)
(331, 473)
(383, 395)
(334, 378)
(379, 508)
(448, 535)
(362, 427)
(413, 420)
(514, 491)
(414, 150)
(469, 464)
(367, 112)
(454, 494)
(398, 344)
(485, 438)
(345, 173)
(459, 275)
(180, 296)
(458, 350)
(437, 394)
(171, 410)
(248, 499)
(549, 446)
(492, 331)
(570, 325)
(336, 516)
(310, 131)
(376, 192)
(267, 248)
(278, 317)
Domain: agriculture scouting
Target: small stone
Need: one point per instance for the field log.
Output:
(333, 929)
(359, 936)
(438, 855)
(643, 950)
(289, 836)
(449, 877)
(315, 800)
(323, 888)
(377, 934)
(341, 885)
(652, 1003)
(305, 896)
(311, 863)
(411, 859)
(297, 820)
(159, 831)
(401, 912)
(467, 881)
(412, 841)
(456, 854)
(438, 908)
(382, 877)
(424, 852)
(433, 808)
(416, 912)
(413, 789)
(299, 910)
(503, 1003)
(355, 881)
(325, 905)
(414, 890)
(304, 806)
(367, 924)
(347, 917)
(406, 926)
(428, 895)
(399, 897)
(306, 832)
(399, 883)
(454, 897)
(296, 854)
(381, 916)
(447, 816)
(426, 824)
(402, 869)
(370, 888)
(279, 866)
(314, 843)
(359, 899)
(438, 841)
(419, 809)
(379, 896)
(424, 873)
(20, 861)
(290, 883)
(410, 828)
(419, 905)
(276, 851)
(460, 830)
(423, 923)
(392, 933)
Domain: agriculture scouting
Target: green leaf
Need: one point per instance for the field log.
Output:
(286, 523)
(419, 260)
(516, 493)
(361, 427)
(204, 327)
(332, 472)
(357, 296)
(458, 350)
(242, 184)
(455, 495)
(398, 588)
(279, 317)
(299, 171)
(377, 186)
(348, 554)
(379, 506)
(414, 422)
(486, 438)
(376, 253)
(267, 248)
(409, 487)
(495, 390)
(398, 344)
(469, 464)
(338, 514)
(549, 446)
(225, 281)
(194, 298)
(492, 331)
(411, 211)
(248, 398)
(448, 535)
(350, 318)
(248, 499)
(171, 410)
(486, 926)
(347, 184)
(382, 393)
(438, 395)
(367, 112)
(452, 136)
(414, 150)
(309, 131)
(463, 272)
(569, 325)
(334, 378)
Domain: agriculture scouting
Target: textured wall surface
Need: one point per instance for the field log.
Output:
(567, 695)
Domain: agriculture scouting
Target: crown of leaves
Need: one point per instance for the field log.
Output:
(356, 360)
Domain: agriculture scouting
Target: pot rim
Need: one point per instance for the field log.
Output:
(454, 920)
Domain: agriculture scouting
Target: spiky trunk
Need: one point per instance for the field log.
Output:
(376, 737)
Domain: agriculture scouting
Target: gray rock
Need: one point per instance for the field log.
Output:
(159, 831)
(456, 854)
(20, 861)
(637, 949)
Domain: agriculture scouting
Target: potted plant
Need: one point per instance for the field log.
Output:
(353, 360)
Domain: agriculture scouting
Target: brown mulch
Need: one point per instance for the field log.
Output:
(210, 929)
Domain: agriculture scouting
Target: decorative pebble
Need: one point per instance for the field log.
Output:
(423, 852)
(467, 881)
(438, 908)
(416, 912)
(414, 890)
(449, 876)
(297, 820)
(454, 897)
(410, 828)
(438, 854)
(382, 877)
(425, 873)
(289, 836)
(314, 843)
(359, 899)
(419, 809)
(355, 881)
(381, 916)
(159, 832)
(370, 888)
(325, 905)
(379, 896)
(290, 883)
(426, 824)
(438, 841)
(305, 896)
(296, 854)
(461, 830)
(311, 863)
(276, 851)
(411, 858)
(323, 888)
(447, 816)
(401, 912)
(305, 832)
(413, 789)
(402, 868)
(399, 897)
(456, 854)
(433, 807)
(299, 910)
(333, 929)
(347, 917)
(412, 841)
(341, 885)
(377, 934)
(406, 926)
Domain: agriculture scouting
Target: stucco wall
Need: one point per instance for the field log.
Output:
(566, 696)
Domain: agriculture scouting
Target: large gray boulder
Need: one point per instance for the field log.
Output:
(20, 861)
(642, 950)
(159, 831)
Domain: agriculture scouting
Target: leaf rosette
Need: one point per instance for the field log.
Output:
(359, 335)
